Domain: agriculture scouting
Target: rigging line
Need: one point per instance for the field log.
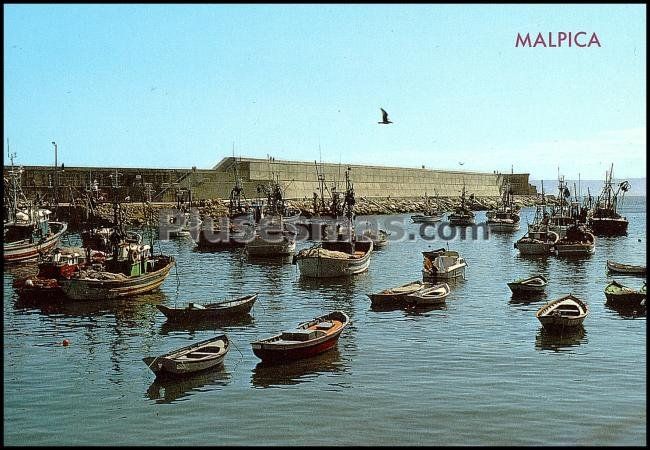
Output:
(241, 358)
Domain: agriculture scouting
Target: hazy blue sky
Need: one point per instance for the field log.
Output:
(176, 85)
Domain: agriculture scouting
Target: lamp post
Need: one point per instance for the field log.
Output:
(56, 196)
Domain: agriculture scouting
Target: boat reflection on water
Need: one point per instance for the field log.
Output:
(132, 307)
(409, 309)
(170, 389)
(267, 261)
(558, 342)
(422, 310)
(267, 375)
(203, 325)
(627, 311)
(524, 298)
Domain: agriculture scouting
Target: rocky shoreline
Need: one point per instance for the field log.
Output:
(134, 213)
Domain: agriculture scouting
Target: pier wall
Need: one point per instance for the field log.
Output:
(300, 180)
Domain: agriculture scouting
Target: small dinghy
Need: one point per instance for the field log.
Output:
(433, 295)
(195, 312)
(308, 339)
(396, 295)
(617, 294)
(530, 285)
(627, 269)
(563, 313)
(193, 358)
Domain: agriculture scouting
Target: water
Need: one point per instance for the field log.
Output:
(479, 371)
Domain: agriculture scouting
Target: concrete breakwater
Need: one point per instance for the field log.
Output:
(134, 213)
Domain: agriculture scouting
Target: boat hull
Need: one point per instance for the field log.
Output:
(269, 353)
(452, 272)
(518, 288)
(503, 227)
(322, 266)
(17, 252)
(166, 366)
(425, 219)
(535, 248)
(574, 249)
(461, 222)
(560, 323)
(437, 296)
(562, 314)
(392, 297)
(196, 315)
(625, 269)
(627, 299)
(174, 364)
(91, 289)
(608, 227)
(270, 249)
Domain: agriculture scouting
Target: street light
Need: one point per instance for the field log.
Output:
(56, 196)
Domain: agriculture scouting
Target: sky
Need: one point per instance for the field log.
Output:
(176, 86)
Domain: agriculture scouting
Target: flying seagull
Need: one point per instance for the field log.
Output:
(461, 163)
(384, 117)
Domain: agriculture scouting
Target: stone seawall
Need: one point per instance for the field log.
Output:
(299, 180)
(134, 212)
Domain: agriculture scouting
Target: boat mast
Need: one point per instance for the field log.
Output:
(14, 188)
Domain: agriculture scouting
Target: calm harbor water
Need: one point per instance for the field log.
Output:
(478, 371)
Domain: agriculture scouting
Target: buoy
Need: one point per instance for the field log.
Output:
(66, 342)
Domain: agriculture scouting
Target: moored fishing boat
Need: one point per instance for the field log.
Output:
(334, 259)
(342, 256)
(563, 313)
(122, 279)
(25, 239)
(210, 311)
(395, 295)
(627, 269)
(197, 357)
(604, 219)
(539, 240)
(561, 217)
(577, 241)
(506, 217)
(530, 285)
(60, 264)
(442, 264)
(28, 231)
(430, 214)
(462, 215)
(430, 295)
(308, 339)
(272, 243)
(620, 295)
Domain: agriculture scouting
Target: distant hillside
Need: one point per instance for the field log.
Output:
(637, 186)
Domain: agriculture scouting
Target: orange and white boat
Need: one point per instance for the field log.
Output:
(308, 339)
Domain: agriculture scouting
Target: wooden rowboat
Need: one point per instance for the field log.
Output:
(621, 295)
(629, 269)
(396, 295)
(308, 339)
(534, 284)
(433, 295)
(379, 238)
(195, 312)
(563, 313)
(193, 358)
